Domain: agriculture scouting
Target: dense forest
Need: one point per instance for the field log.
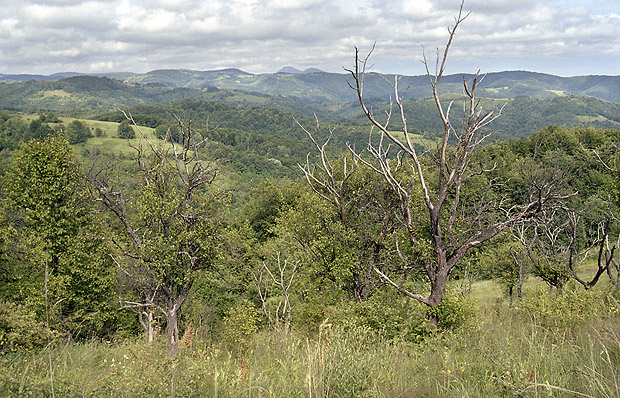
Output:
(193, 247)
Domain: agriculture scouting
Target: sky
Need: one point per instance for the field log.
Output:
(566, 38)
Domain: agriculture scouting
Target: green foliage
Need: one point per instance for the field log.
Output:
(39, 129)
(54, 233)
(77, 132)
(569, 307)
(240, 323)
(499, 263)
(125, 130)
(161, 131)
(43, 186)
(385, 314)
(551, 271)
(20, 329)
(456, 310)
(268, 202)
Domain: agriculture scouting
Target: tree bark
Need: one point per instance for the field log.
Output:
(172, 327)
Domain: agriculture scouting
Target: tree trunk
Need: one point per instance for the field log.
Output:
(147, 321)
(438, 290)
(433, 319)
(150, 324)
(172, 327)
(521, 279)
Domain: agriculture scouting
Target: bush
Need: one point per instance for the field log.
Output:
(240, 322)
(125, 130)
(455, 311)
(569, 307)
(393, 316)
(19, 329)
(389, 315)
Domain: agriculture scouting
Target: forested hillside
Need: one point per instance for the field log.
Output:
(325, 87)
(332, 87)
(530, 101)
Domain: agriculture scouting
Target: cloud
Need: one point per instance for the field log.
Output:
(47, 36)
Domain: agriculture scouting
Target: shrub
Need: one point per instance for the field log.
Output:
(456, 310)
(19, 329)
(568, 307)
(240, 322)
(125, 130)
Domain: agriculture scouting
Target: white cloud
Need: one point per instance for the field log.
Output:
(259, 36)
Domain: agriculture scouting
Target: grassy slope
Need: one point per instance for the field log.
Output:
(503, 352)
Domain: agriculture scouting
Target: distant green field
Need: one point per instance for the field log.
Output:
(416, 139)
(108, 142)
(559, 93)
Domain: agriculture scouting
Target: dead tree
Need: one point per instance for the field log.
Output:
(440, 186)
(338, 183)
(605, 248)
(276, 287)
(172, 231)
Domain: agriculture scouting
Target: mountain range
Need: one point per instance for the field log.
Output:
(315, 85)
(530, 101)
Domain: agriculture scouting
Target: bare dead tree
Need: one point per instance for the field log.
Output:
(137, 278)
(607, 246)
(327, 184)
(519, 232)
(280, 282)
(441, 187)
(171, 235)
(332, 181)
(606, 250)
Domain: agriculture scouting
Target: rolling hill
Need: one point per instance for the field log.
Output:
(530, 100)
(333, 87)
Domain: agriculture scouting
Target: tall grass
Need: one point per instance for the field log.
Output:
(503, 352)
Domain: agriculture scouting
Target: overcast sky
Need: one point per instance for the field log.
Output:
(567, 38)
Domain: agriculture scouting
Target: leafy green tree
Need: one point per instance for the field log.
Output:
(125, 130)
(12, 131)
(172, 233)
(77, 131)
(60, 270)
(161, 131)
(38, 129)
(505, 262)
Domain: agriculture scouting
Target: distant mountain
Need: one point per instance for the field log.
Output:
(89, 93)
(522, 115)
(291, 70)
(62, 75)
(26, 77)
(315, 85)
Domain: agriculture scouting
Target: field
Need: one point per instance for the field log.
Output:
(500, 352)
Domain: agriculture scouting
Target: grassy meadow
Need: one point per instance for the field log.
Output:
(559, 345)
